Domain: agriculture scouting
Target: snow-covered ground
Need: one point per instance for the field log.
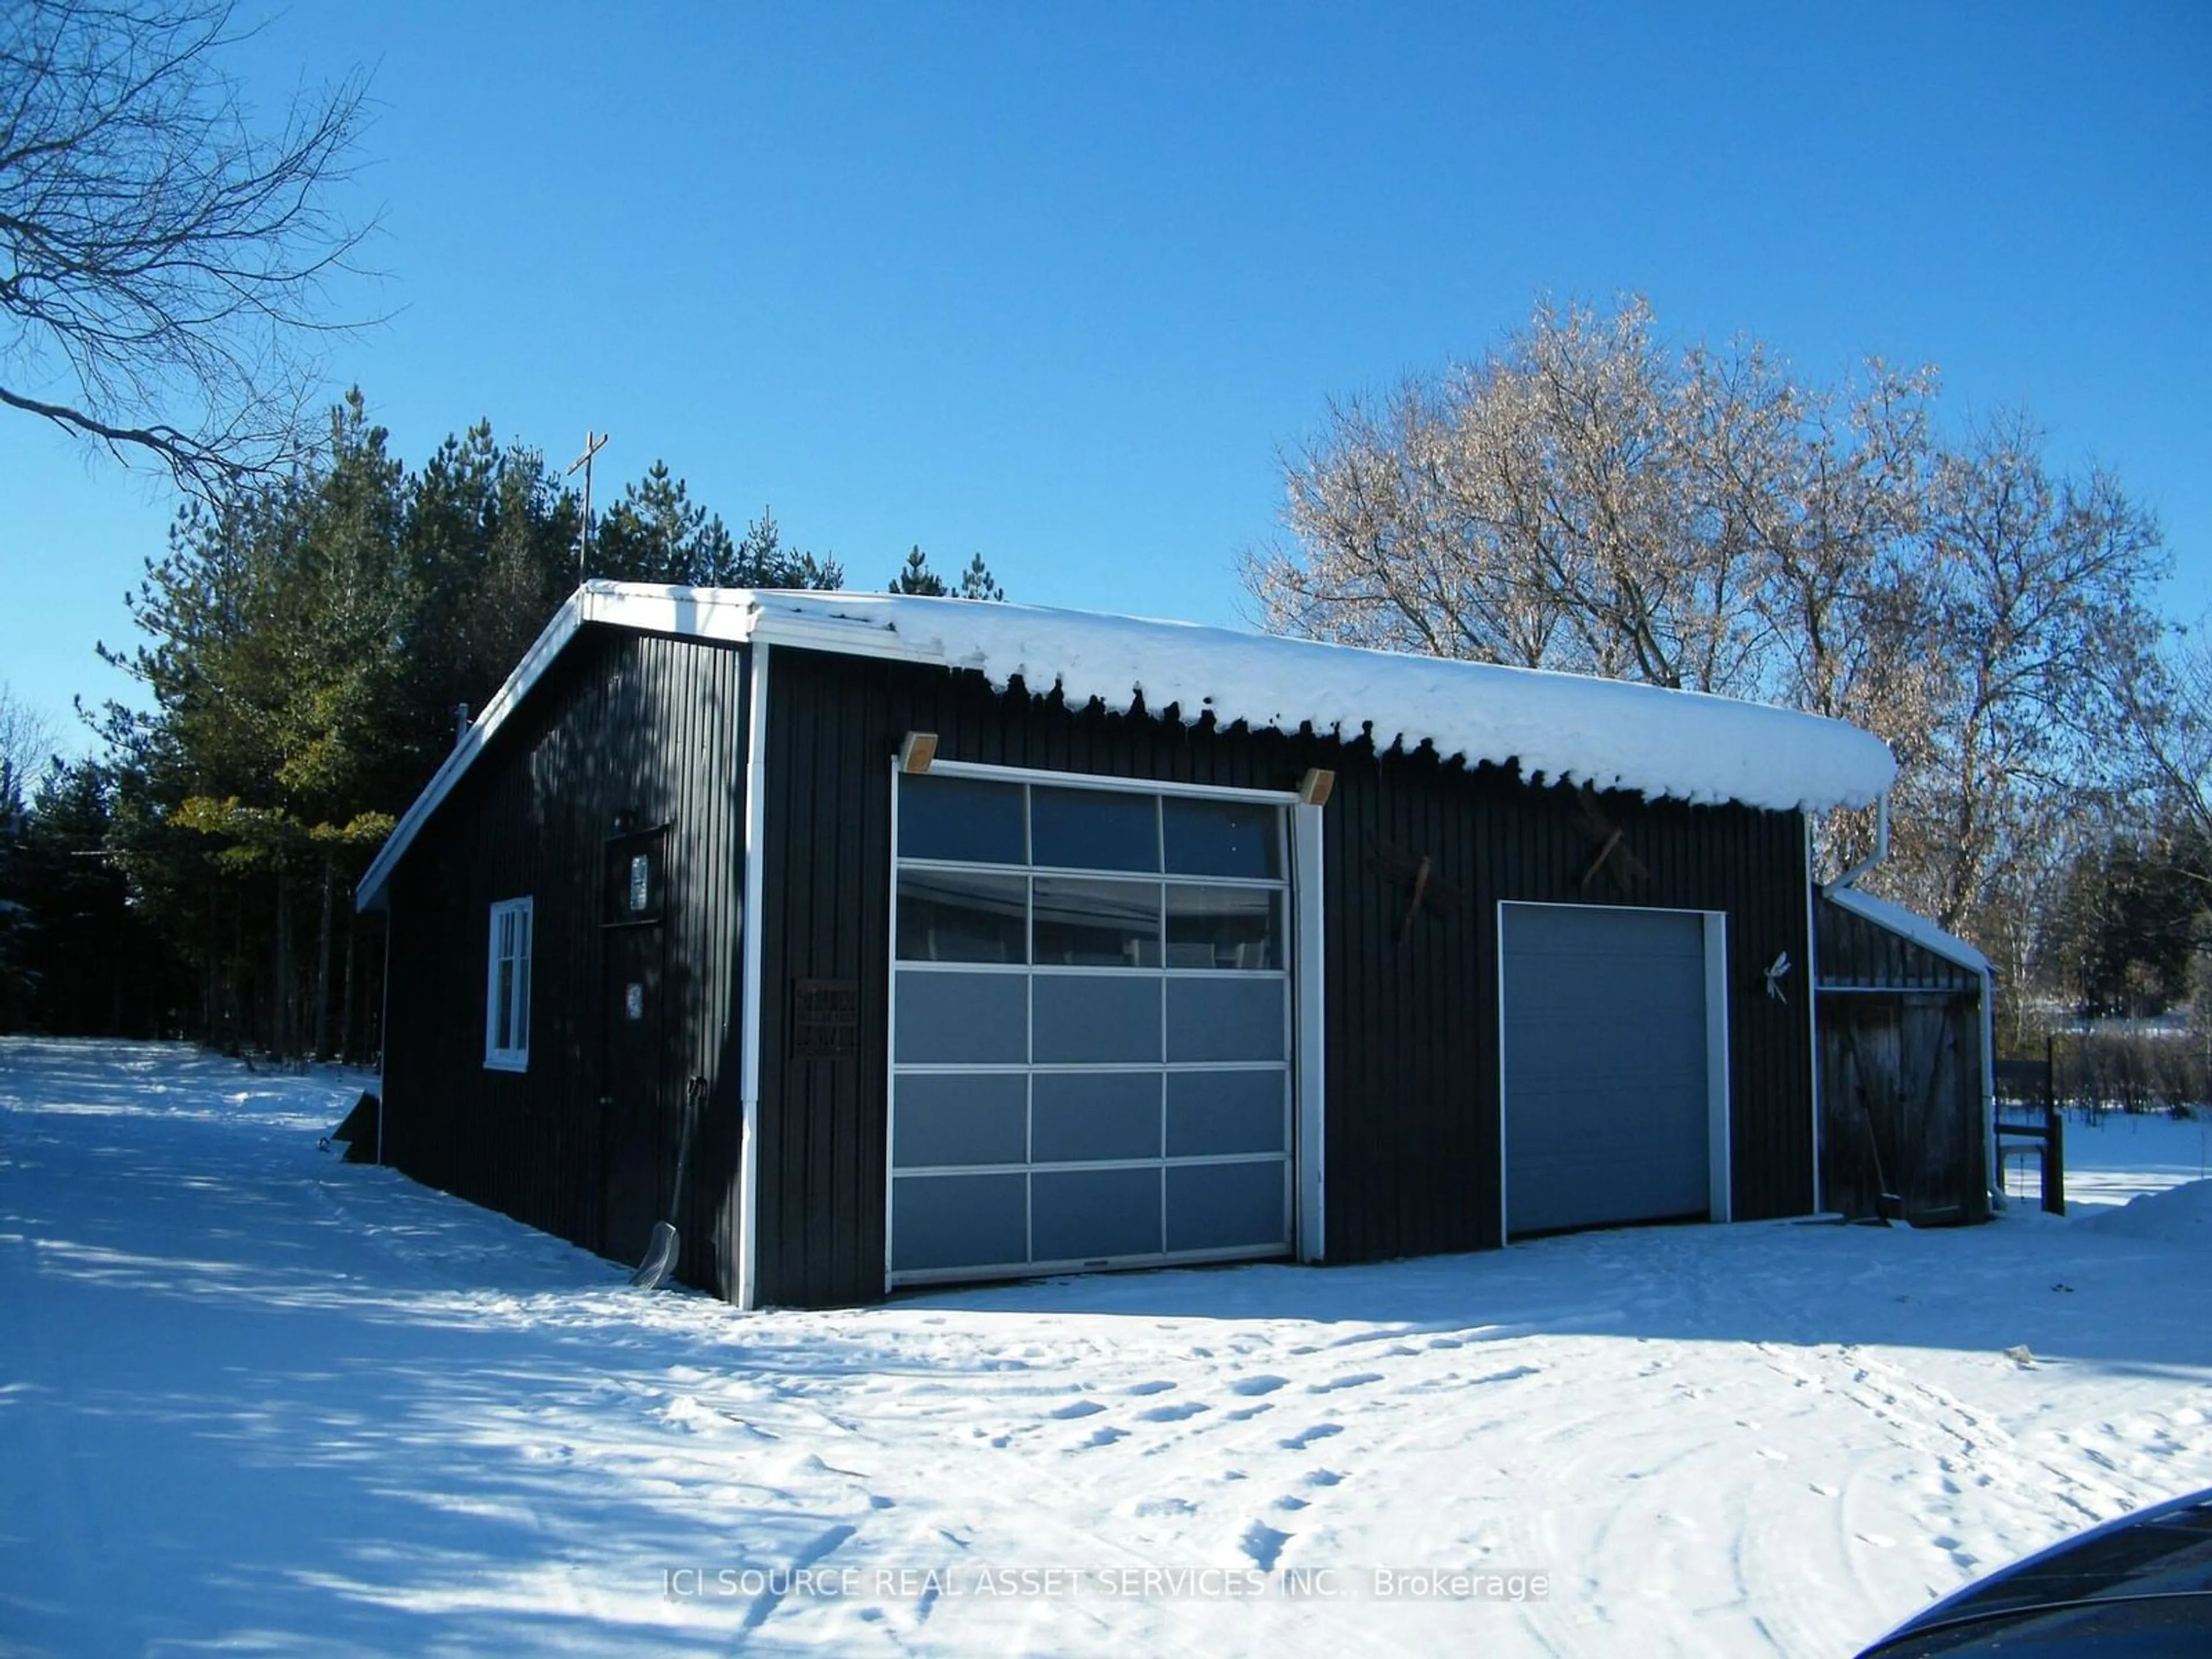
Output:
(255, 1399)
(2117, 1157)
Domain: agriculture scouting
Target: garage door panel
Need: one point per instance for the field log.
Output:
(1084, 1116)
(953, 1118)
(962, 1018)
(1097, 1018)
(1219, 1206)
(1091, 1057)
(1083, 1215)
(951, 1221)
(1215, 1112)
(1568, 1189)
(1606, 1070)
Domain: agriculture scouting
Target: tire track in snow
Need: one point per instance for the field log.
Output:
(1958, 1440)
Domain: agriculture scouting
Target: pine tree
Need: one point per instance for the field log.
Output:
(977, 582)
(915, 576)
(306, 646)
(657, 533)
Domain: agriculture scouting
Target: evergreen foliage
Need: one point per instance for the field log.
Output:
(915, 576)
(307, 650)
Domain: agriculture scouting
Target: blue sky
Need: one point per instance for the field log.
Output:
(1055, 284)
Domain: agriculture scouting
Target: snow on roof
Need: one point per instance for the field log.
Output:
(1908, 924)
(1611, 734)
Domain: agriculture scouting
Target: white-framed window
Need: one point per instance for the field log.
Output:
(507, 990)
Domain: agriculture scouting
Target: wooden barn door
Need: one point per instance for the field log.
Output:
(1901, 1106)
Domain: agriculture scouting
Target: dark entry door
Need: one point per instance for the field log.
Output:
(634, 1152)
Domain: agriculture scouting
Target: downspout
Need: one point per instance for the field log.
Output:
(1879, 855)
(1812, 1009)
(748, 1023)
(384, 1031)
(1992, 1174)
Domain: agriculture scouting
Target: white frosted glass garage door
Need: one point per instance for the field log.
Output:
(1091, 1039)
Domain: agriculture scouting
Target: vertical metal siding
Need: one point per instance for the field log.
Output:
(641, 722)
(1411, 1078)
(657, 725)
(1858, 951)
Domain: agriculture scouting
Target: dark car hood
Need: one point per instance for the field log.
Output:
(2141, 1583)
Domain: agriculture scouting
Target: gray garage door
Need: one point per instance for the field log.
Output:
(1090, 1044)
(1605, 1066)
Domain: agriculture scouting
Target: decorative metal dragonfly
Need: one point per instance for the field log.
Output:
(1427, 890)
(1613, 854)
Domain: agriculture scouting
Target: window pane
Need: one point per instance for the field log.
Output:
(1211, 1112)
(1098, 924)
(959, 1221)
(940, 1119)
(1220, 1207)
(522, 1004)
(1081, 1115)
(1224, 927)
(1222, 837)
(1081, 1214)
(960, 916)
(968, 819)
(1082, 1017)
(636, 877)
(1094, 829)
(503, 1005)
(961, 1019)
(1226, 1020)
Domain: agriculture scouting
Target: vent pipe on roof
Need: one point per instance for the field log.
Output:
(1879, 855)
(461, 724)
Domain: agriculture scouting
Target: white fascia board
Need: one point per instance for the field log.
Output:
(370, 895)
(705, 612)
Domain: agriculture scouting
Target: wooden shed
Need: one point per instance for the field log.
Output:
(983, 941)
(1904, 1064)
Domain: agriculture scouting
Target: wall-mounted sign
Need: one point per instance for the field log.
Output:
(633, 1000)
(825, 1018)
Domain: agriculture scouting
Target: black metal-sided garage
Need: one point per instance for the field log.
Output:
(981, 941)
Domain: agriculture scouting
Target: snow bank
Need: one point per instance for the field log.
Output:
(2118, 1156)
(2180, 1215)
(1608, 733)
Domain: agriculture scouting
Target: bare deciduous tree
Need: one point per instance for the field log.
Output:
(165, 263)
(27, 744)
(1584, 498)
(2042, 629)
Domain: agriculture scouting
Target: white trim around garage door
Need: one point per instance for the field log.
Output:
(1309, 1224)
(1718, 1164)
